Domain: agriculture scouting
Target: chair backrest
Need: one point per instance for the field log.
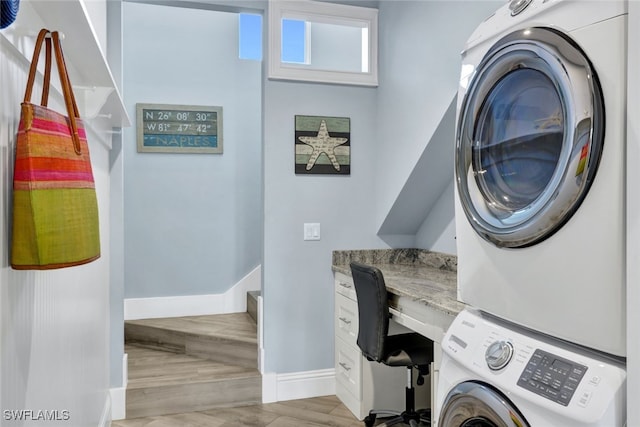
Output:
(373, 310)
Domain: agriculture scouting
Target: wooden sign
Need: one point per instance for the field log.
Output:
(166, 128)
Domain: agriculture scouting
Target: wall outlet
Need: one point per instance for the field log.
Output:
(311, 231)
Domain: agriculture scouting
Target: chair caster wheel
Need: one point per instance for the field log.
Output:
(369, 420)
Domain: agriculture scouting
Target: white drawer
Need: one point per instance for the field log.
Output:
(346, 319)
(344, 286)
(349, 368)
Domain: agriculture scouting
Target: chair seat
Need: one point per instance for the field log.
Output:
(411, 349)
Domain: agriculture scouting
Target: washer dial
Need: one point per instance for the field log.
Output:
(498, 355)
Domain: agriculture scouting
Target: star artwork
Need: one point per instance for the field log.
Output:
(322, 145)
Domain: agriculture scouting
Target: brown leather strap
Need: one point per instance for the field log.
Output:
(69, 98)
(47, 73)
(34, 64)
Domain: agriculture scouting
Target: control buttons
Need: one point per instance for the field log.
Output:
(554, 377)
(498, 355)
(517, 6)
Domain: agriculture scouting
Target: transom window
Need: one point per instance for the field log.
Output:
(323, 42)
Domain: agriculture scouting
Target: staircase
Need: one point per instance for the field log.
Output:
(188, 364)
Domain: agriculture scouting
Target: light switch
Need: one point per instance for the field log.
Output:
(311, 231)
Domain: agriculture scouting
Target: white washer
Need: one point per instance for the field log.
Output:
(540, 169)
(533, 381)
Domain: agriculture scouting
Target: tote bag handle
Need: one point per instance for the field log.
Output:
(69, 98)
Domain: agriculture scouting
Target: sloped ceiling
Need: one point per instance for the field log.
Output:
(430, 177)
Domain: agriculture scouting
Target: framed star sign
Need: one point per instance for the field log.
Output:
(323, 145)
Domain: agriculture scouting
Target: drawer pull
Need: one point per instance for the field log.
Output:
(345, 320)
(345, 285)
(345, 366)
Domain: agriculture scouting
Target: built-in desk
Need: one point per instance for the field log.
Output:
(422, 297)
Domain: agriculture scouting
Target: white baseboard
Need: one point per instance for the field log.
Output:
(232, 301)
(105, 418)
(119, 394)
(269, 388)
(118, 403)
(298, 385)
(260, 335)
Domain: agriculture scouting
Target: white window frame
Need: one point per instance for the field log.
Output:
(322, 12)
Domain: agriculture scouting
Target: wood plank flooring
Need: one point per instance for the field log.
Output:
(318, 411)
(190, 364)
(235, 326)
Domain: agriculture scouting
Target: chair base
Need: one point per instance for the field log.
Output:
(413, 418)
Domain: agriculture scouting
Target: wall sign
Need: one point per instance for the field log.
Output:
(322, 145)
(164, 128)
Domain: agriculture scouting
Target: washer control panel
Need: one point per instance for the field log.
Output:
(551, 376)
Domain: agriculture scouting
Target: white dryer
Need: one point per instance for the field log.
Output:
(495, 374)
(540, 155)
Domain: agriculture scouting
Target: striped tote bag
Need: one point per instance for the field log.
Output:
(55, 209)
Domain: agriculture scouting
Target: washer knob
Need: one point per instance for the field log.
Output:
(498, 355)
(517, 6)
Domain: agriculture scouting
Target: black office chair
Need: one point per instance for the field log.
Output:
(411, 350)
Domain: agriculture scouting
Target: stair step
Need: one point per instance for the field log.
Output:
(225, 338)
(252, 304)
(162, 382)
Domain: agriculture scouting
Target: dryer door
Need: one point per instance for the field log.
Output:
(529, 138)
(472, 404)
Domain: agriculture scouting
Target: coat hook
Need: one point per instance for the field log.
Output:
(35, 35)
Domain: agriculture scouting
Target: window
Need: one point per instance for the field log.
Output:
(323, 42)
(294, 41)
(250, 36)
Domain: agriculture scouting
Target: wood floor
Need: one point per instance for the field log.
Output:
(318, 411)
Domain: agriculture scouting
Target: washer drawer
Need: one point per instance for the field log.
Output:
(346, 321)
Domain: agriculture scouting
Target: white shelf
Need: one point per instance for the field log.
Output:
(94, 86)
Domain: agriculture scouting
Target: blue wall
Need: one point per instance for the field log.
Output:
(298, 282)
(193, 222)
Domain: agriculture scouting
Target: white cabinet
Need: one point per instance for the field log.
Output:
(360, 384)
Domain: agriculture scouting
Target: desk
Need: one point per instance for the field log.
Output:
(422, 297)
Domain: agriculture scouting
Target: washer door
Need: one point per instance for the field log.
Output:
(472, 404)
(529, 138)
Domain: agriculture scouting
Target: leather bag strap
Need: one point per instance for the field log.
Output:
(69, 98)
(47, 73)
(34, 64)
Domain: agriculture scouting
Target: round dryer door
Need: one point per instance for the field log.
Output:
(529, 138)
(472, 404)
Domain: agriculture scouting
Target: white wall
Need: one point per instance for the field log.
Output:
(192, 221)
(116, 164)
(55, 324)
(633, 218)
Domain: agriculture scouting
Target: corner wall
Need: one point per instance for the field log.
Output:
(420, 45)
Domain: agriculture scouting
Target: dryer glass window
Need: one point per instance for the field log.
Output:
(519, 139)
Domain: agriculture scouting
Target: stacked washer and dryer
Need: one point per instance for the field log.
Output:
(540, 200)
